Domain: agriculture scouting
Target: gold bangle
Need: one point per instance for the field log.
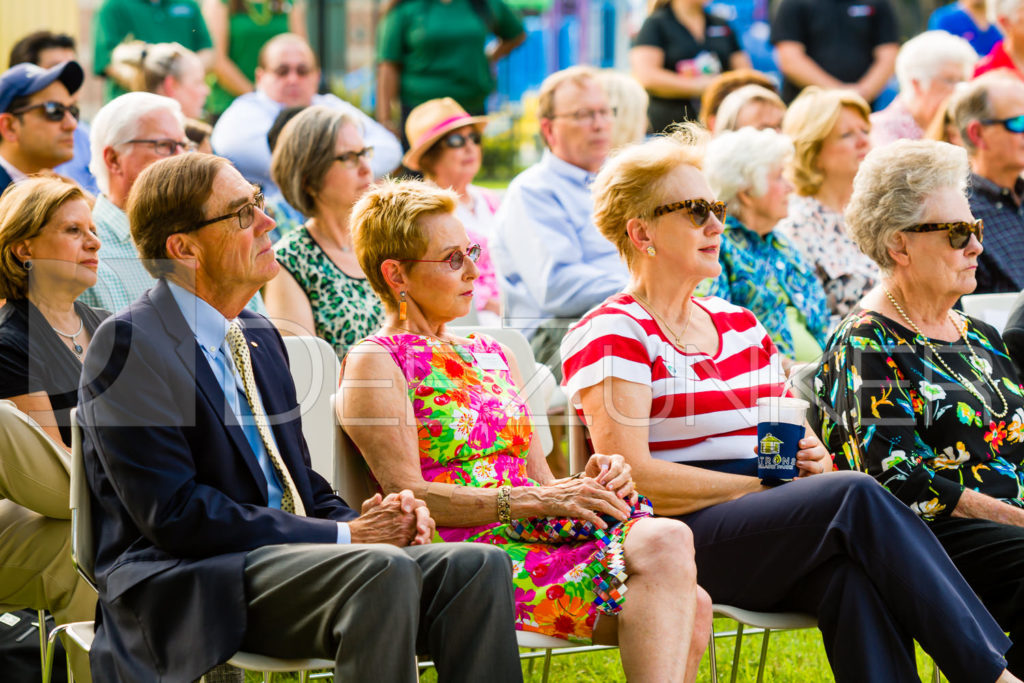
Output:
(505, 505)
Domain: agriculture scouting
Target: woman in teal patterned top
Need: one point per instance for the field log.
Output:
(923, 398)
(322, 167)
(761, 269)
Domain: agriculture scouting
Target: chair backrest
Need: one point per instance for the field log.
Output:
(315, 368)
(991, 308)
(352, 478)
(801, 383)
(83, 547)
(538, 382)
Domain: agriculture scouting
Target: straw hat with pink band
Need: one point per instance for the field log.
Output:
(431, 121)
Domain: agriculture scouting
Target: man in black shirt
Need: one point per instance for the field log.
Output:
(835, 44)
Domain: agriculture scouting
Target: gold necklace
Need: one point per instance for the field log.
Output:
(976, 361)
(650, 309)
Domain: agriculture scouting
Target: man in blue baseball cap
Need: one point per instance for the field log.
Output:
(38, 116)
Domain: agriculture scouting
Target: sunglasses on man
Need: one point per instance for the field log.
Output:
(700, 210)
(959, 232)
(1014, 124)
(52, 111)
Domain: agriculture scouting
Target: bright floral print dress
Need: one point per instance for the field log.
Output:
(897, 414)
(474, 430)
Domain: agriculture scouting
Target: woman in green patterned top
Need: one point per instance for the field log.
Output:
(322, 167)
(920, 396)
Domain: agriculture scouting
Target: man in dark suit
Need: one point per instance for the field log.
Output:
(38, 116)
(213, 532)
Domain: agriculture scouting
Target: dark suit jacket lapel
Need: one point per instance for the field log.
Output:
(5, 179)
(208, 388)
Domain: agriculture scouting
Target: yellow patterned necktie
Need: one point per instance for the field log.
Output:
(290, 500)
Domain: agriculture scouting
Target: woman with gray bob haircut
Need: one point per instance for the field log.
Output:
(761, 269)
(924, 398)
(322, 166)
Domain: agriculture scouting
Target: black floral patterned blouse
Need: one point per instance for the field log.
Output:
(896, 413)
(345, 308)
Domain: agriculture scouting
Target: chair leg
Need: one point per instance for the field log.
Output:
(736, 653)
(712, 660)
(41, 616)
(764, 655)
(936, 678)
(50, 650)
(547, 665)
(530, 663)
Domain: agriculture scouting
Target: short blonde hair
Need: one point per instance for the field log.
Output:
(304, 154)
(25, 208)
(892, 188)
(632, 183)
(629, 100)
(740, 161)
(386, 225)
(808, 121)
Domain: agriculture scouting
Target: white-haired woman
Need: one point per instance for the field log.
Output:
(671, 383)
(167, 69)
(750, 105)
(921, 397)
(761, 269)
(628, 99)
(829, 129)
(928, 68)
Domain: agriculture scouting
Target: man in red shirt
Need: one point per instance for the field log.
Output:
(1009, 52)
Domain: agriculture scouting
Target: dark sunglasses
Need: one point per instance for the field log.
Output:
(301, 70)
(959, 232)
(456, 260)
(1014, 124)
(52, 111)
(699, 209)
(246, 215)
(456, 140)
(352, 159)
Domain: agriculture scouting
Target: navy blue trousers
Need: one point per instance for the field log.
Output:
(842, 548)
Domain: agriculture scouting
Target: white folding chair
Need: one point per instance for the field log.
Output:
(764, 622)
(991, 308)
(314, 368)
(83, 557)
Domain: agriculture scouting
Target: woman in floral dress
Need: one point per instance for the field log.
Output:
(589, 562)
(921, 397)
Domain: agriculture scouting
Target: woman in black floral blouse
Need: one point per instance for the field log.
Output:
(921, 397)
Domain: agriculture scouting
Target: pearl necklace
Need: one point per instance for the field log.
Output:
(650, 309)
(76, 347)
(967, 384)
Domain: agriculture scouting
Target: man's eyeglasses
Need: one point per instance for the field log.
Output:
(588, 115)
(352, 159)
(52, 111)
(301, 70)
(959, 232)
(699, 209)
(246, 215)
(165, 147)
(456, 260)
(456, 140)
(1014, 124)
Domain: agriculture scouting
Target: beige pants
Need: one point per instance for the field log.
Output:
(35, 528)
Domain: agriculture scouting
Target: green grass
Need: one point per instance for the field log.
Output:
(793, 657)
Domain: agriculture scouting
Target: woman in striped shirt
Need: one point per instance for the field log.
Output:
(671, 382)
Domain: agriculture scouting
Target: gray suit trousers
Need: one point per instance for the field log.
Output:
(372, 608)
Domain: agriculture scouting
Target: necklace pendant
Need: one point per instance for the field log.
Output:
(78, 349)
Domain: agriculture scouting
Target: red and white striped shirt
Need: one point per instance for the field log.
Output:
(703, 407)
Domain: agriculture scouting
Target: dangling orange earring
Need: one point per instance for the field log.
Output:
(403, 307)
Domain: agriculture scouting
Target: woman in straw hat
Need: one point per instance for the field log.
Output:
(445, 146)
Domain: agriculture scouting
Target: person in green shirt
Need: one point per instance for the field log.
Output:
(436, 48)
(239, 29)
(151, 21)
